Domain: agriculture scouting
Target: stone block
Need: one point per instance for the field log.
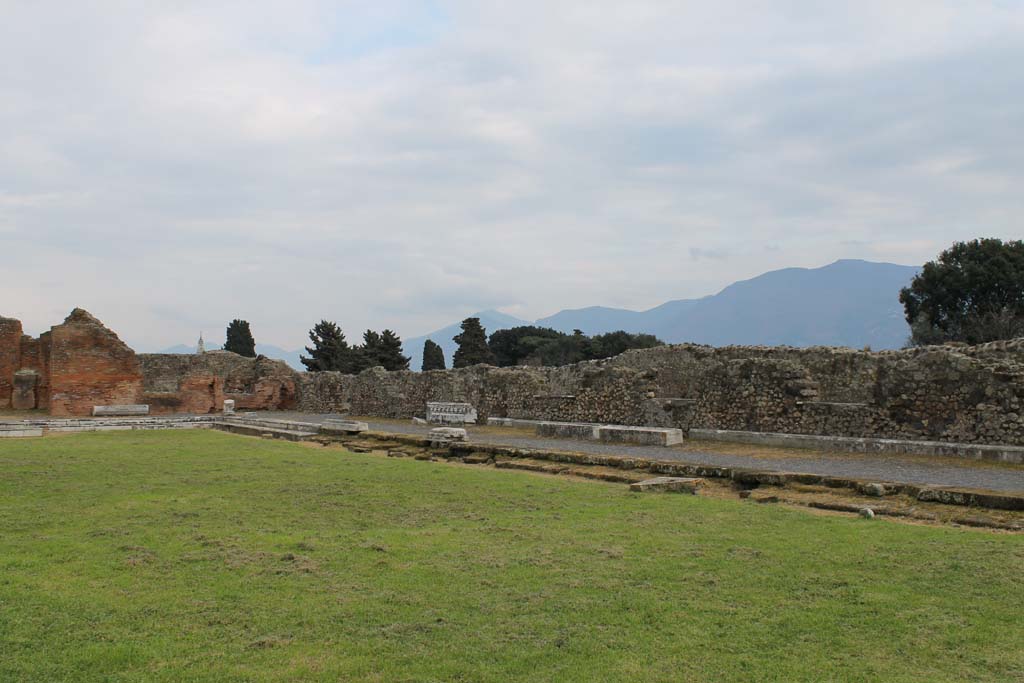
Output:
(24, 395)
(648, 436)
(448, 434)
(451, 413)
(669, 484)
(343, 426)
(568, 430)
(120, 410)
(229, 407)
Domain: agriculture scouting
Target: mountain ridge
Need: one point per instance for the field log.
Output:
(850, 302)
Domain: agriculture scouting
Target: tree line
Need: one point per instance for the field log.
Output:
(531, 345)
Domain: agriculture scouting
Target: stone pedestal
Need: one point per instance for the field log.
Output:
(229, 407)
(23, 397)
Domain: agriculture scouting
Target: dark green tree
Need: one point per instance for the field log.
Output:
(390, 352)
(472, 343)
(516, 345)
(371, 349)
(973, 292)
(433, 356)
(330, 351)
(614, 343)
(239, 339)
(384, 349)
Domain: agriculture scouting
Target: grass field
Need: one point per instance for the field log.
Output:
(201, 556)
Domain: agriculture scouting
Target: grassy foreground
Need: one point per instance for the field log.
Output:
(201, 556)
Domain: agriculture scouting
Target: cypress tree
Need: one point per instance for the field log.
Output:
(473, 348)
(239, 339)
(433, 356)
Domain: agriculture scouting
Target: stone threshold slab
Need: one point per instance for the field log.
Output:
(987, 452)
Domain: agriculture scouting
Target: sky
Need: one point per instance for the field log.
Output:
(171, 166)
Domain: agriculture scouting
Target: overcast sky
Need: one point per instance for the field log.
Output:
(170, 166)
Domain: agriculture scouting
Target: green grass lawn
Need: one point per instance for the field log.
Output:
(201, 556)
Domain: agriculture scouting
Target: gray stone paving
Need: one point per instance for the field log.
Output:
(893, 468)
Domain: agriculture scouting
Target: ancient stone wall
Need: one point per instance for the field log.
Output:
(949, 393)
(199, 383)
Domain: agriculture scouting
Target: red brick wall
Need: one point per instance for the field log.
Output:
(10, 357)
(90, 366)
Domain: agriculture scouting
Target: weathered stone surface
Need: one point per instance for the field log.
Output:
(21, 432)
(24, 394)
(649, 436)
(343, 426)
(450, 413)
(229, 406)
(120, 410)
(670, 484)
(200, 383)
(571, 430)
(448, 434)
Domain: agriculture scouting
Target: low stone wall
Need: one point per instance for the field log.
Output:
(949, 393)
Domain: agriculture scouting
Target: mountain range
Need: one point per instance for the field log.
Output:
(847, 303)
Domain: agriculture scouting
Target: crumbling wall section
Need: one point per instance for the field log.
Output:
(199, 383)
(10, 357)
(89, 366)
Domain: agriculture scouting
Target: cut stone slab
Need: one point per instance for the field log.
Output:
(17, 433)
(568, 430)
(229, 407)
(648, 436)
(450, 413)
(120, 411)
(448, 434)
(343, 426)
(512, 422)
(670, 484)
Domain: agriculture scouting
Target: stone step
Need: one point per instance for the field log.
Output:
(260, 430)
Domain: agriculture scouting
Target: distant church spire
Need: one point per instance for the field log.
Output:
(200, 346)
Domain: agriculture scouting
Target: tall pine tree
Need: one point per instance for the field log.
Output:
(239, 339)
(433, 356)
(390, 352)
(473, 348)
(330, 351)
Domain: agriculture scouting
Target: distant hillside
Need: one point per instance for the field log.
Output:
(491, 320)
(847, 303)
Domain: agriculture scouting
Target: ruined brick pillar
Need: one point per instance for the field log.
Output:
(10, 357)
(89, 366)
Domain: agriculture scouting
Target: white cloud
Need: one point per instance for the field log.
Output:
(404, 164)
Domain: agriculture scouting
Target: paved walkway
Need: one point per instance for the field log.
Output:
(887, 467)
